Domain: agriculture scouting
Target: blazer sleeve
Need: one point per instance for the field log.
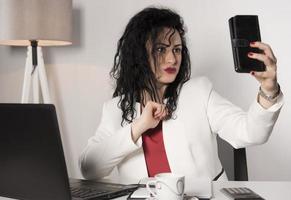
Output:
(108, 147)
(240, 128)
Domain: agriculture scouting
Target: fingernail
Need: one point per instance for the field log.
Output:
(252, 73)
(253, 43)
(250, 54)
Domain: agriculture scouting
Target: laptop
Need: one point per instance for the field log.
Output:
(32, 163)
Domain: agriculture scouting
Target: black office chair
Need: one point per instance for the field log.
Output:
(234, 161)
(240, 165)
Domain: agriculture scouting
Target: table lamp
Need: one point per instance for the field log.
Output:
(35, 23)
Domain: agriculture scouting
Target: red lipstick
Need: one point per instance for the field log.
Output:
(170, 70)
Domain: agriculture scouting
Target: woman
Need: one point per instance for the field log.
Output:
(160, 120)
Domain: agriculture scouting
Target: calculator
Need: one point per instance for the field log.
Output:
(241, 193)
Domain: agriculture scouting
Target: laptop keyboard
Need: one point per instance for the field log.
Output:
(86, 192)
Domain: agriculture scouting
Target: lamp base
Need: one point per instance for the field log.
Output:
(38, 79)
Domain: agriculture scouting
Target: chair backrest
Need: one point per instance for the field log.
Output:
(240, 165)
(234, 161)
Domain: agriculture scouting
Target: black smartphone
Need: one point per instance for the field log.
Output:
(245, 29)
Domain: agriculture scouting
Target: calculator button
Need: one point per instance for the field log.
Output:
(230, 190)
(236, 190)
(242, 191)
(246, 190)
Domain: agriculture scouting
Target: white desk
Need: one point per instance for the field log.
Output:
(268, 190)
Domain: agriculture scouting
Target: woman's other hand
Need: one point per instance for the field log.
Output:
(151, 115)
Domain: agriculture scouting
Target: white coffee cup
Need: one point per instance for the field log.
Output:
(168, 186)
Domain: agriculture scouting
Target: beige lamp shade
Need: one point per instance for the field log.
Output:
(47, 21)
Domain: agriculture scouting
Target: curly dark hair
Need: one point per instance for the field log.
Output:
(131, 68)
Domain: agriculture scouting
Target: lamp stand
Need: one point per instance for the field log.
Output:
(35, 73)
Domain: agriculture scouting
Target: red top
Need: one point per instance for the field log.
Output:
(154, 151)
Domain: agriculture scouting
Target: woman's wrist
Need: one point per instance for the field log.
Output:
(269, 87)
(270, 95)
(136, 130)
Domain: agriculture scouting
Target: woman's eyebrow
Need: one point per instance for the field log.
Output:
(177, 45)
(163, 44)
(167, 45)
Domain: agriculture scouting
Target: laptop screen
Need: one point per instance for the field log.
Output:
(32, 164)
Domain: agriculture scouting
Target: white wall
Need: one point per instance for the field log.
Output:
(79, 80)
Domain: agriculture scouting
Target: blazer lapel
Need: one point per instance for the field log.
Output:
(142, 166)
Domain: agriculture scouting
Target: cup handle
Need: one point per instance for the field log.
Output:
(153, 182)
(180, 188)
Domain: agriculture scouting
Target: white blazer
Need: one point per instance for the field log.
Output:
(189, 138)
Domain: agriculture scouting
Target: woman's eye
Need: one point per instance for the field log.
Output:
(177, 50)
(161, 49)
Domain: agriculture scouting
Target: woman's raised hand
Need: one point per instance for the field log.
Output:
(268, 78)
(151, 115)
